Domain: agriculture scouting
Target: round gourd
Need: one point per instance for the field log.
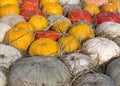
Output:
(20, 38)
(117, 40)
(3, 77)
(117, 4)
(63, 2)
(52, 9)
(44, 2)
(25, 25)
(44, 46)
(6, 2)
(3, 29)
(42, 71)
(78, 62)
(81, 31)
(95, 79)
(8, 55)
(11, 19)
(9, 9)
(92, 9)
(108, 29)
(100, 49)
(113, 70)
(39, 22)
(69, 44)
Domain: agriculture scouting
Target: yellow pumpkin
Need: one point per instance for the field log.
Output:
(45, 47)
(20, 38)
(9, 9)
(81, 31)
(69, 44)
(61, 26)
(53, 9)
(117, 4)
(39, 22)
(109, 7)
(25, 25)
(44, 2)
(93, 9)
(6, 2)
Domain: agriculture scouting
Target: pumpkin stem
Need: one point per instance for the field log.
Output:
(2, 56)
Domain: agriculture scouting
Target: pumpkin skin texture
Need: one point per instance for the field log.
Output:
(108, 30)
(44, 2)
(8, 55)
(3, 29)
(6, 2)
(92, 9)
(20, 38)
(9, 9)
(78, 62)
(63, 2)
(81, 31)
(113, 70)
(101, 49)
(48, 71)
(52, 9)
(11, 19)
(117, 40)
(95, 79)
(77, 15)
(39, 22)
(45, 47)
(69, 44)
(3, 77)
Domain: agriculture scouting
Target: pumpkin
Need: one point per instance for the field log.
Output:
(109, 7)
(117, 4)
(44, 46)
(81, 31)
(8, 55)
(113, 70)
(6, 2)
(11, 19)
(19, 37)
(52, 9)
(39, 70)
(3, 29)
(96, 2)
(3, 77)
(92, 9)
(108, 29)
(25, 25)
(69, 44)
(39, 22)
(100, 49)
(44, 2)
(117, 40)
(63, 2)
(95, 79)
(61, 26)
(47, 34)
(78, 62)
(9, 9)
(28, 14)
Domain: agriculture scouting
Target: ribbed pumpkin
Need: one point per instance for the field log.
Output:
(25, 25)
(9, 9)
(6, 2)
(20, 38)
(11, 19)
(3, 29)
(44, 2)
(39, 71)
(81, 31)
(92, 9)
(53, 9)
(45, 47)
(117, 4)
(69, 44)
(39, 22)
(8, 55)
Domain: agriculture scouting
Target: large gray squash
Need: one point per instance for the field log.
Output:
(39, 71)
(113, 70)
(95, 79)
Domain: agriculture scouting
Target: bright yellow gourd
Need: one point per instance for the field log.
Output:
(44, 2)
(6, 2)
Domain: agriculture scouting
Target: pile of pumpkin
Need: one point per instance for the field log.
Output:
(59, 42)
